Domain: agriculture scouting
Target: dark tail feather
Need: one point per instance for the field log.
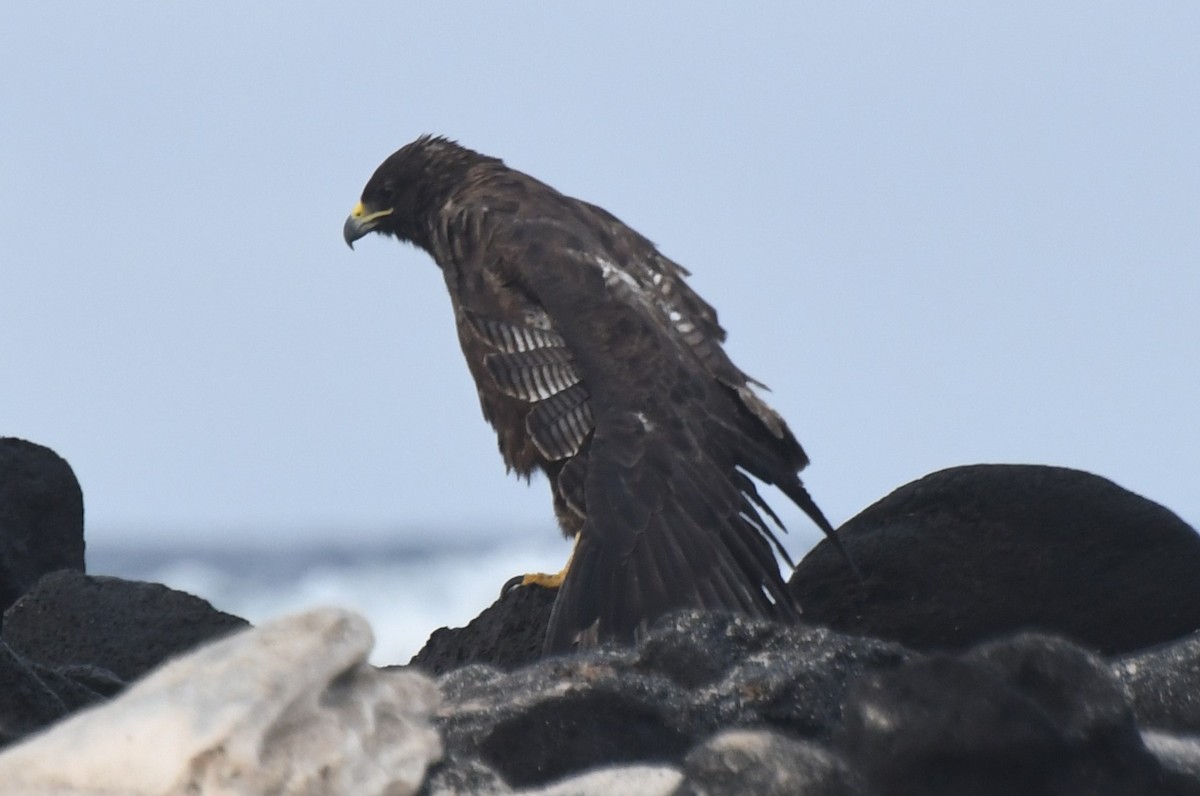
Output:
(799, 495)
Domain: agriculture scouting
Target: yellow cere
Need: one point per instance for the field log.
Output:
(359, 213)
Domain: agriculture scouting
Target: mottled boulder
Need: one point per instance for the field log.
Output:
(611, 781)
(1179, 754)
(705, 703)
(1163, 685)
(563, 716)
(291, 708)
(472, 778)
(41, 517)
(736, 705)
(126, 627)
(791, 678)
(1029, 715)
(450, 776)
(971, 553)
(653, 703)
(738, 762)
(506, 635)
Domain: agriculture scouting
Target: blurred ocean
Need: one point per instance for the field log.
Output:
(406, 591)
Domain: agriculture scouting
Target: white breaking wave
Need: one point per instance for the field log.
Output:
(405, 595)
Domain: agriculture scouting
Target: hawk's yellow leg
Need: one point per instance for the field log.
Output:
(545, 579)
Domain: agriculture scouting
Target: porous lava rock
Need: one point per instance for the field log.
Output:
(508, 634)
(653, 703)
(41, 517)
(126, 627)
(1028, 714)
(1163, 684)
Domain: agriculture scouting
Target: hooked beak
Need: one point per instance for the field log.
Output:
(360, 222)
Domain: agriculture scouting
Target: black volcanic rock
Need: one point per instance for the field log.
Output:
(956, 558)
(1163, 684)
(41, 517)
(791, 709)
(724, 704)
(33, 696)
(970, 553)
(646, 704)
(1029, 715)
(126, 627)
(563, 715)
(506, 635)
(791, 678)
(27, 703)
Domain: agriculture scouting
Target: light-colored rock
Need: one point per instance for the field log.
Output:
(765, 763)
(643, 780)
(462, 777)
(290, 708)
(1179, 753)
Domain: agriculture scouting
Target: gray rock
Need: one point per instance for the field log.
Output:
(693, 675)
(614, 781)
(451, 777)
(564, 715)
(290, 709)
(737, 762)
(1163, 685)
(793, 679)
(1029, 715)
(1180, 754)
(1074, 688)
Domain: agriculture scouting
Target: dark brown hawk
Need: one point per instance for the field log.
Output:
(597, 364)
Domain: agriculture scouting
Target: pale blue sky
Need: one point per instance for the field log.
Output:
(943, 233)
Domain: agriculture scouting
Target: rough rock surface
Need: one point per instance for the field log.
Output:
(74, 639)
(32, 695)
(1026, 714)
(1179, 754)
(290, 709)
(1163, 684)
(613, 781)
(704, 704)
(653, 703)
(506, 635)
(41, 531)
(955, 558)
(1029, 714)
(737, 762)
(968, 553)
(27, 702)
(41, 517)
(126, 627)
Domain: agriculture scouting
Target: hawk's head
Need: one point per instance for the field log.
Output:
(408, 188)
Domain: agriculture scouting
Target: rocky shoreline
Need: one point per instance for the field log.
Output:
(1019, 629)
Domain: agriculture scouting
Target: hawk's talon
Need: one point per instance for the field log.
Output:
(544, 579)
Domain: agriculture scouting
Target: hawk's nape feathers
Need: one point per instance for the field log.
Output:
(596, 363)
